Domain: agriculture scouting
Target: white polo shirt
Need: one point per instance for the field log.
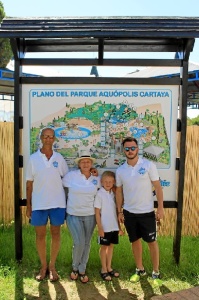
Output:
(81, 193)
(137, 187)
(105, 201)
(48, 191)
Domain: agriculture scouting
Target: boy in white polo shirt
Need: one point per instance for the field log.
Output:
(107, 223)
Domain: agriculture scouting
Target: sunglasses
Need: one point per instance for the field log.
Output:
(130, 148)
(45, 136)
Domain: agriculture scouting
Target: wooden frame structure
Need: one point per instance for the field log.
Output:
(101, 35)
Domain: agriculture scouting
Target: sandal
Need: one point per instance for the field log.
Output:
(114, 273)
(53, 275)
(74, 275)
(106, 276)
(84, 278)
(42, 274)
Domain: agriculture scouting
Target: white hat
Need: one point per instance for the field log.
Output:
(84, 154)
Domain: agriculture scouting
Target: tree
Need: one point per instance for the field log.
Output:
(193, 121)
(5, 48)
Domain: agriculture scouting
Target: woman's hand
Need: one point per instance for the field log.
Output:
(94, 171)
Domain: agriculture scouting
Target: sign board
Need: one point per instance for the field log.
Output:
(98, 117)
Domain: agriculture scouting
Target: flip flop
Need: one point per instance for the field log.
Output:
(106, 276)
(74, 275)
(83, 278)
(114, 273)
(53, 275)
(42, 274)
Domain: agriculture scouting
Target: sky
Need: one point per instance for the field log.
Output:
(88, 8)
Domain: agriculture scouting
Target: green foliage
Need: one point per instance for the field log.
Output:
(193, 121)
(5, 52)
(2, 13)
(5, 48)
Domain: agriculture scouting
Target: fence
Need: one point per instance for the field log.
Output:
(191, 190)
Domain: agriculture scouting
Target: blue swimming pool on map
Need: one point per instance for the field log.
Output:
(72, 134)
(138, 132)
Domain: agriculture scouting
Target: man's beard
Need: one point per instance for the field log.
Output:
(132, 157)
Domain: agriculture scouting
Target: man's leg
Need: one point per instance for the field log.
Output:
(41, 249)
(55, 245)
(154, 252)
(137, 252)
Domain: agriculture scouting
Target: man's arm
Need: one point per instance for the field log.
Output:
(29, 188)
(159, 196)
(119, 203)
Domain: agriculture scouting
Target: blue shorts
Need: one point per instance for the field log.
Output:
(55, 215)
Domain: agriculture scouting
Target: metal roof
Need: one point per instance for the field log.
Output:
(102, 34)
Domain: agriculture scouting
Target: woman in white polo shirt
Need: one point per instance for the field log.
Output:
(82, 188)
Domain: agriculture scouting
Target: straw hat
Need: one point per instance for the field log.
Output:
(84, 154)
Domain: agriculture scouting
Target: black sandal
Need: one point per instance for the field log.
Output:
(113, 273)
(83, 278)
(106, 276)
(74, 275)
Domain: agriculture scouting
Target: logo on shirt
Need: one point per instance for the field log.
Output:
(94, 181)
(165, 183)
(55, 164)
(142, 171)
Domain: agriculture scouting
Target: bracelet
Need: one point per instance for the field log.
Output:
(120, 212)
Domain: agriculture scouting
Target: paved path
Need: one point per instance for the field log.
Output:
(189, 294)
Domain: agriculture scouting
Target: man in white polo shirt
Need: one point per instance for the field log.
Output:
(46, 200)
(135, 205)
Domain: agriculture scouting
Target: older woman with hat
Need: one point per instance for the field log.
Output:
(82, 188)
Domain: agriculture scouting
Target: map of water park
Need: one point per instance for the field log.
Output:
(100, 128)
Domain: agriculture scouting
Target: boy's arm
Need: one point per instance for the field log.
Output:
(99, 223)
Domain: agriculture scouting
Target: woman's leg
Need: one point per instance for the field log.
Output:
(89, 224)
(75, 226)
